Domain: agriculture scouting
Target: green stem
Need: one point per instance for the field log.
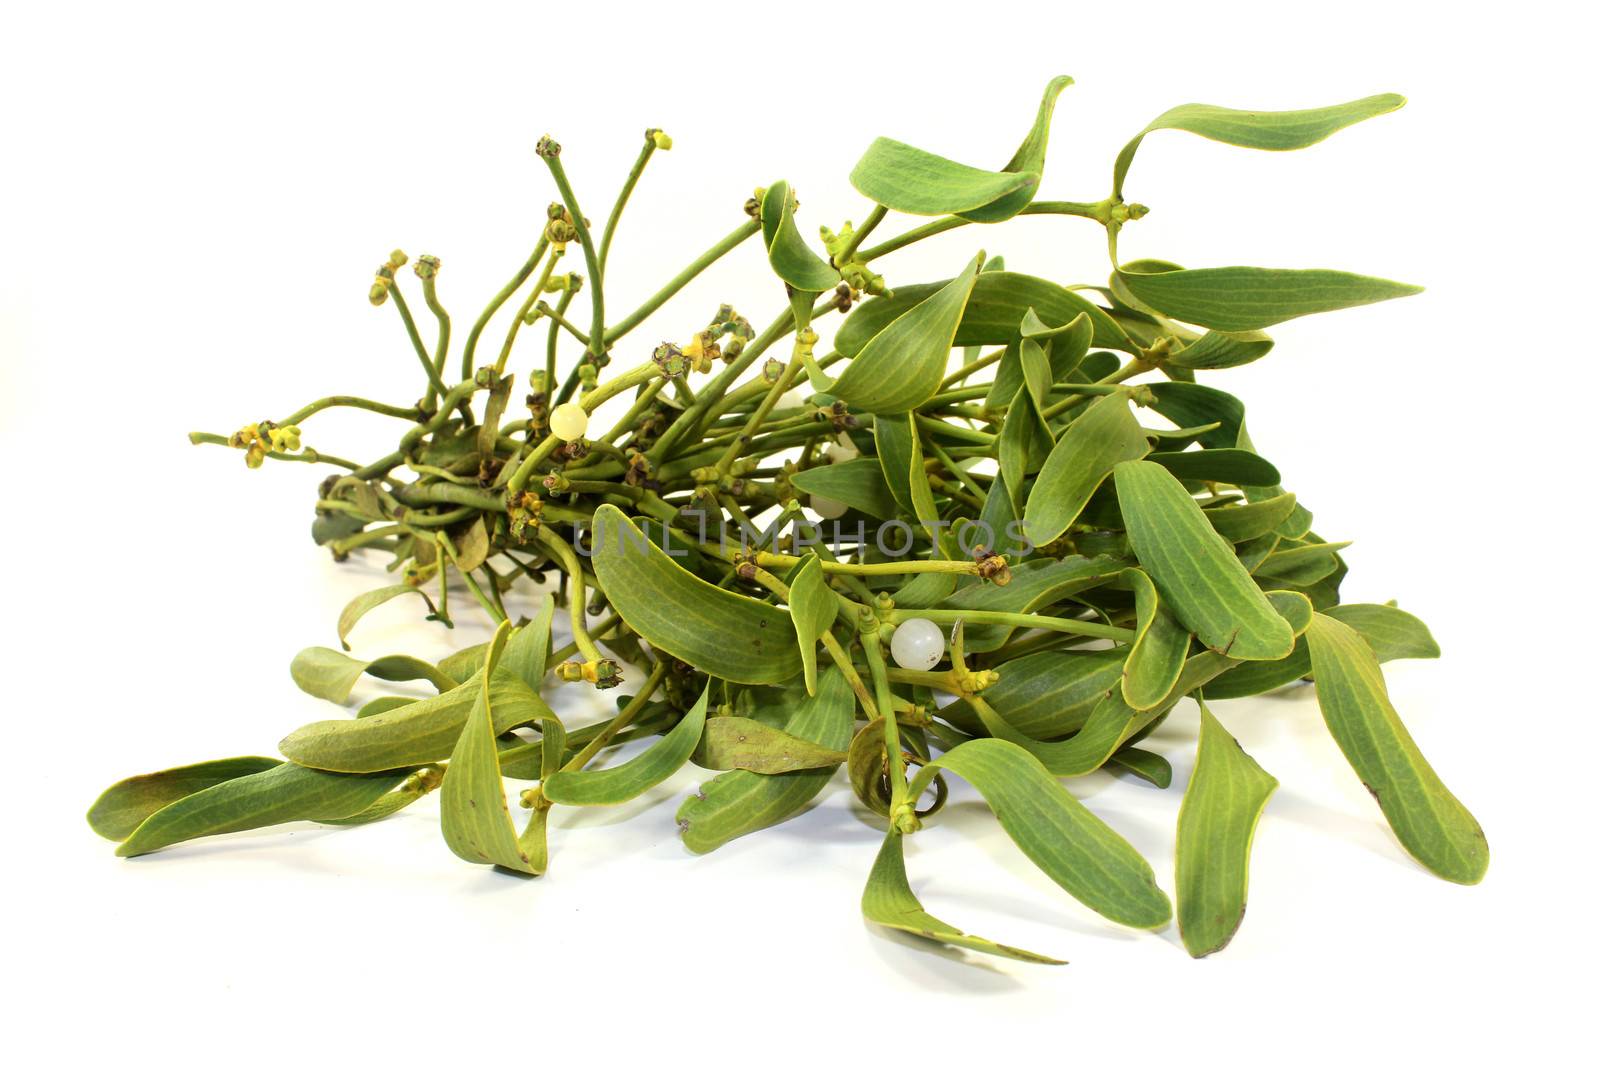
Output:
(1100, 211)
(875, 216)
(872, 644)
(645, 153)
(629, 711)
(435, 384)
(568, 559)
(1131, 369)
(441, 348)
(522, 313)
(409, 414)
(681, 279)
(559, 318)
(553, 338)
(551, 154)
(494, 305)
(951, 616)
(305, 455)
(630, 419)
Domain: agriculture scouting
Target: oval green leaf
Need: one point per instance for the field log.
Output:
(902, 366)
(1430, 822)
(742, 802)
(1271, 131)
(121, 808)
(1216, 823)
(1064, 839)
(285, 793)
(1156, 657)
(1237, 299)
(421, 732)
(733, 742)
(812, 609)
(1195, 570)
(719, 632)
(993, 316)
(1092, 445)
(856, 483)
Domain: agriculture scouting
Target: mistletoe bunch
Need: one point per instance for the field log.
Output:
(1039, 534)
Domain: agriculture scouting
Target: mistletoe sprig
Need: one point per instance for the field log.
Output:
(1029, 559)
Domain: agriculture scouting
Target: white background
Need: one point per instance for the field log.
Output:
(192, 200)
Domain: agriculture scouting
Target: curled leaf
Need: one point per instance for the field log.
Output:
(889, 901)
(616, 785)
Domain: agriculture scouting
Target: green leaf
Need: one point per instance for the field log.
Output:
(1245, 522)
(471, 544)
(1046, 694)
(1196, 571)
(616, 785)
(527, 651)
(812, 609)
(1392, 633)
(408, 793)
(742, 802)
(1216, 350)
(121, 808)
(998, 521)
(856, 483)
(331, 675)
(889, 901)
(792, 259)
(284, 793)
(1028, 159)
(459, 666)
(993, 316)
(380, 705)
(1156, 657)
(909, 179)
(1272, 131)
(1110, 725)
(421, 732)
(1294, 607)
(720, 632)
(903, 178)
(1216, 823)
(1025, 444)
(1064, 839)
(1430, 822)
(1232, 466)
(1092, 445)
(902, 366)
(367, 601)
(1238, 299)
(1301, 565)
(892, 438)
(1147, 765)
(1188, 404)
(1043, 355)
(733, 742)
(922, 503)
(474, 816)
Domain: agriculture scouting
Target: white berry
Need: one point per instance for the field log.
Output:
(917, 645)
(568, 421)
(827, 507)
